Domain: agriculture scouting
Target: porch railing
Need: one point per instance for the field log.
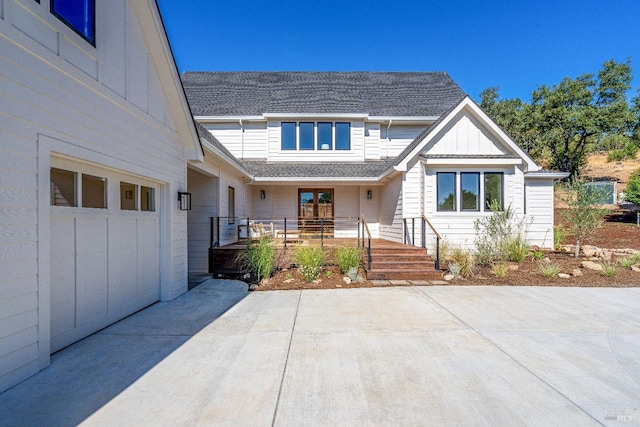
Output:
(409, 235)
(284, 229)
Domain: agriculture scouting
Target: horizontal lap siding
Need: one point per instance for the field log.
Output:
(396, 138)
(89, 102)
(204, 204)
(390, 217)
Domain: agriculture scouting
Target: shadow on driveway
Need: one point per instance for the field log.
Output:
(88, 374)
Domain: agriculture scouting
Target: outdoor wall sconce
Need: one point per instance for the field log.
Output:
(184, 201)
(263, 194)
(369, 194)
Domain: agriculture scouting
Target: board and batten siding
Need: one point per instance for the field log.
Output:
(539, 215)
(62, 96)
(465, 135)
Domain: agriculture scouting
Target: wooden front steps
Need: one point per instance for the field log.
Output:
(395, 261)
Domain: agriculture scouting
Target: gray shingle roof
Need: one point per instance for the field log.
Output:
(373, 93)
(369, 169)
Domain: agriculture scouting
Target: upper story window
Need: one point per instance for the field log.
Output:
(79, 15)
(322, 136)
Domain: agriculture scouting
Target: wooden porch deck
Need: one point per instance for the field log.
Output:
(389, 260)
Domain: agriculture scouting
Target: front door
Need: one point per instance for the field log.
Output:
(315, 210)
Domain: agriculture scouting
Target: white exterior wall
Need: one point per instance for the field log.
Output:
(61, 95)
(248, 141)
(465, 135)
(372, 144)
(539, 215)
(390, 217)
(394, 139)
(205, 202)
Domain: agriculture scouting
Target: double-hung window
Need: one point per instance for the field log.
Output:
(463, 191)
(79, 15)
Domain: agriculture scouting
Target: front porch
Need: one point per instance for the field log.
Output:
(382, 259)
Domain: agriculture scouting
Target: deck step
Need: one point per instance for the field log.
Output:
(401, 262)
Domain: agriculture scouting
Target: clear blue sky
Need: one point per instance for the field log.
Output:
(513, 44)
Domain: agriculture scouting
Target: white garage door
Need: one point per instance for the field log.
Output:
(104, 249)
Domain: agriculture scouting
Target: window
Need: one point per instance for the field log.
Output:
(94, 192)
(128, 196)
(493, 189)
(306, 136)
(315, 136)
(325, 136)
(470, 190)
(343, 136)
(147, 199)
(79, 15)
(288, 131)
(63, 188)
(446, 182)
(231, 207)
(470, 186)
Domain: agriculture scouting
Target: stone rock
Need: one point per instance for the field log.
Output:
(564, 275)
(589, 251)
(576, 272)
(448, 277)
(591, 265)
(546, 260)
(605, 255)
(513, 267)
(346, 280)
(569, 248)
(636, 269)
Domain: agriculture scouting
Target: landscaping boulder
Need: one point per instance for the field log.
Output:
(564, 276)
(576, 272)
(591, 265)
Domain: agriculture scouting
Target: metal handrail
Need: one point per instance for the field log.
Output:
(424, 222)
(365, 227)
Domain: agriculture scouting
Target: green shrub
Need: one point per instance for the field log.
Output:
(500, 269)
(517, 249)
(632, 191)
(455, 270)
(258, 258)
(310, 260)
(627, 262)
(496, 233)
(464, 259)
(550, 269)
(347, 257)
(559, 234)
(609, 269)
(537, 254)
(628, 151)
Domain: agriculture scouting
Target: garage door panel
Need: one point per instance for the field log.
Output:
(63, 274)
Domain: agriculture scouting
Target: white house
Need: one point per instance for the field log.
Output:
(95, 139)
(399, 149)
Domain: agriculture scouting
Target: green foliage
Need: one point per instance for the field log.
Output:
(564, 122)
(583, 216)
(559, 234)
(310, 260)
(499, 237)
(464, 259)
(500, 269)
(258, 258)
(517, 248)
(609, 269)
(347, 257)
(627, 262)
(455, 270)
(632, 191)
(629, 151)
(537, 254)
(549, 269)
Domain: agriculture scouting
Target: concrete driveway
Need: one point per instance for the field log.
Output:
(382, 356)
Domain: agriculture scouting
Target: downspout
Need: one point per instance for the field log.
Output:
(388, 138)
(241, 139)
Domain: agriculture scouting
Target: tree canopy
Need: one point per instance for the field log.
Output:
(564, 122)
